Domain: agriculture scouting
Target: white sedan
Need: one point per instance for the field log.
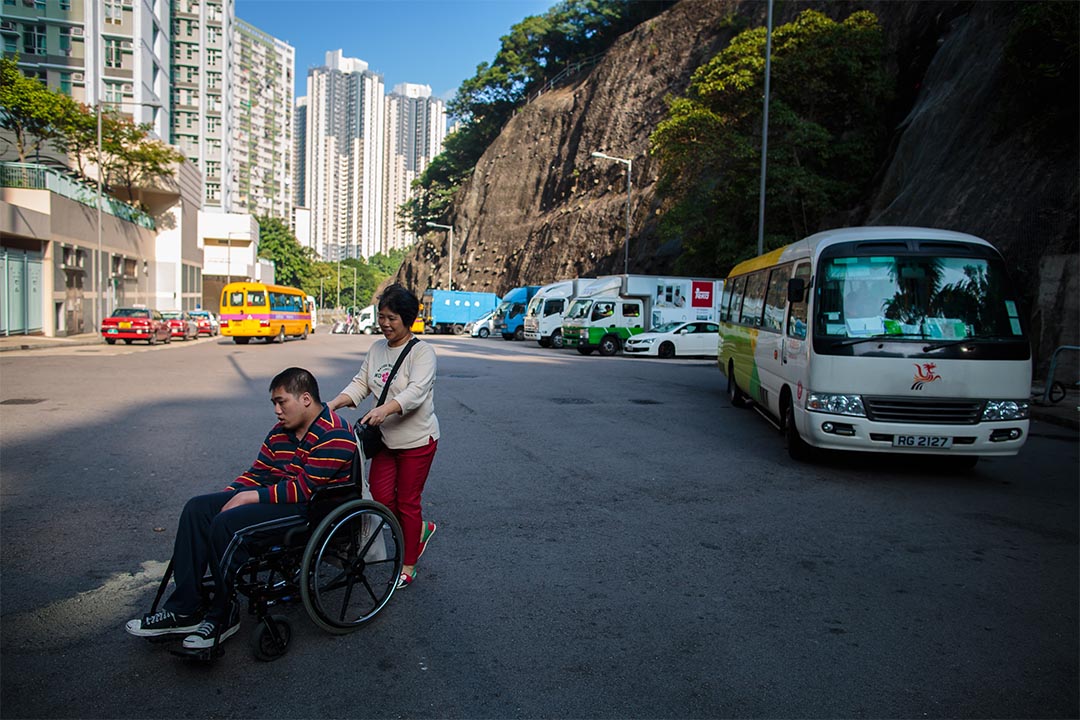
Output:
(679, 338)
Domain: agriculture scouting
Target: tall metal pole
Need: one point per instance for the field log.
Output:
(626, 243)
(354, 285)
(98, 264)
(764, 134)
(629, 182)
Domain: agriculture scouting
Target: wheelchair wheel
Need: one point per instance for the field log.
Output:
(270, 638)
(351, 565)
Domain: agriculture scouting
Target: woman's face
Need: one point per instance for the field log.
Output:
(392, 327)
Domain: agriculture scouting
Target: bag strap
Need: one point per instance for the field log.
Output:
(393, 371)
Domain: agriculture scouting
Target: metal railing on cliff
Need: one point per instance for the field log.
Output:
(563, 76)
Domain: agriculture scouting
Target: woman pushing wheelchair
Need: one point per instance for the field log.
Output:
(405, 414)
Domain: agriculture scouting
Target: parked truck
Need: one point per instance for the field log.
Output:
(612, 308)
(510, 317)
(449, 311)
(544, 314)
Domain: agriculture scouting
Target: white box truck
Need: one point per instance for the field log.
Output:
(612, 308)
(544, 315)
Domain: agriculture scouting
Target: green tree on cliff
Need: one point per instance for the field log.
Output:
(826, 135)
(534, 51)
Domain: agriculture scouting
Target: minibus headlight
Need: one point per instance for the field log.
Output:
(835, 403)
(1006, 410)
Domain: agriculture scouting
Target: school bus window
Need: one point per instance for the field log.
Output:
(257, 298)
(236, 299)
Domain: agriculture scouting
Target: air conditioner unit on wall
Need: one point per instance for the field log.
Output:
(7, 25)
(77, 31)
(125, 44)
(77, 77)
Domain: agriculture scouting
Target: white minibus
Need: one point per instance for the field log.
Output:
(881, 339)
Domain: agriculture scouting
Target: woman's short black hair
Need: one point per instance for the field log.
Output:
(400, 301)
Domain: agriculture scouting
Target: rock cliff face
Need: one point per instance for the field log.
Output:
(540, 208)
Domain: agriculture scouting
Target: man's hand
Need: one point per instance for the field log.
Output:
(247, 497)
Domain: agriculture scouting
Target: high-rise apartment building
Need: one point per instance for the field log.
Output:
(111, 50)
(202, 120)
(262, 92)
(345, 154)
(300, 198)
(415, 130)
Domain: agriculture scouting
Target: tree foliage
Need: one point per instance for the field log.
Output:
(352, 280)
(33, 113)
(534, 51)
(828, 95)
(129, 154)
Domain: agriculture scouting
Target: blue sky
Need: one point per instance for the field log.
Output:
(430, 42)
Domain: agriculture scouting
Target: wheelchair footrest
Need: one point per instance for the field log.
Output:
(199, 654)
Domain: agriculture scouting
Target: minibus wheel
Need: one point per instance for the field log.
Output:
(734, 394)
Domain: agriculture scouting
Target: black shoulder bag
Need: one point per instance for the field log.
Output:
(370, 437)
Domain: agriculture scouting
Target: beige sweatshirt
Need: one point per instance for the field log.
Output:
(413, 387)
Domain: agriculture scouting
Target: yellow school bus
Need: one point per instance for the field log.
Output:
(254, 310)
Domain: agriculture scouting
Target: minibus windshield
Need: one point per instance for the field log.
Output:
(915, 298)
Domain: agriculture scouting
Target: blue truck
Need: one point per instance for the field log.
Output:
(510, 317)
(449, 311)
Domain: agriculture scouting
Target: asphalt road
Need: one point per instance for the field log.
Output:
(615, 541)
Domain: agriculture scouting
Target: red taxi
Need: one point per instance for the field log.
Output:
(208, 324)
(130, 324)
(181, 325)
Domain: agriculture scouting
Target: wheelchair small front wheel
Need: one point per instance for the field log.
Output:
(351, 565)
(270, 638)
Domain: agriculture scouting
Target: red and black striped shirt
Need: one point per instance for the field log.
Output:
(288, 469)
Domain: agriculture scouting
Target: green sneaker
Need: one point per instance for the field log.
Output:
(429, 530)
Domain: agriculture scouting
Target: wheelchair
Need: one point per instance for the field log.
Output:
(342, 563)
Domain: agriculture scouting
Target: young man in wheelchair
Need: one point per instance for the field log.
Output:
(310, 446)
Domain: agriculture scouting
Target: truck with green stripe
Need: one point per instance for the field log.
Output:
(610, 309)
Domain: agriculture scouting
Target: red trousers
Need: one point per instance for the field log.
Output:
(397, 479)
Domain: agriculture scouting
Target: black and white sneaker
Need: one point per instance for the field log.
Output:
(163, 623)
(203, 637)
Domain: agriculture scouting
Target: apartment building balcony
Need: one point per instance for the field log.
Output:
(65, 264)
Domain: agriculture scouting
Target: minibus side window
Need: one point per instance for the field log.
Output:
(754, 303)
(776, 298)
(737, 286)
(796, 326)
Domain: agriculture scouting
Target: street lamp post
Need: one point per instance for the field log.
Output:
(451, 229)
(629, 182)
(100, 179)
(228, 251)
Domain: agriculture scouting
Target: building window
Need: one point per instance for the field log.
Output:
(34, 39)
(65, 83)
(113, 57)
(11, 44)
(113, 93)
(65, 4)
(114, 12)
(65, 41)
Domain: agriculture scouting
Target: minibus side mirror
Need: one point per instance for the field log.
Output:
(796, 289)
